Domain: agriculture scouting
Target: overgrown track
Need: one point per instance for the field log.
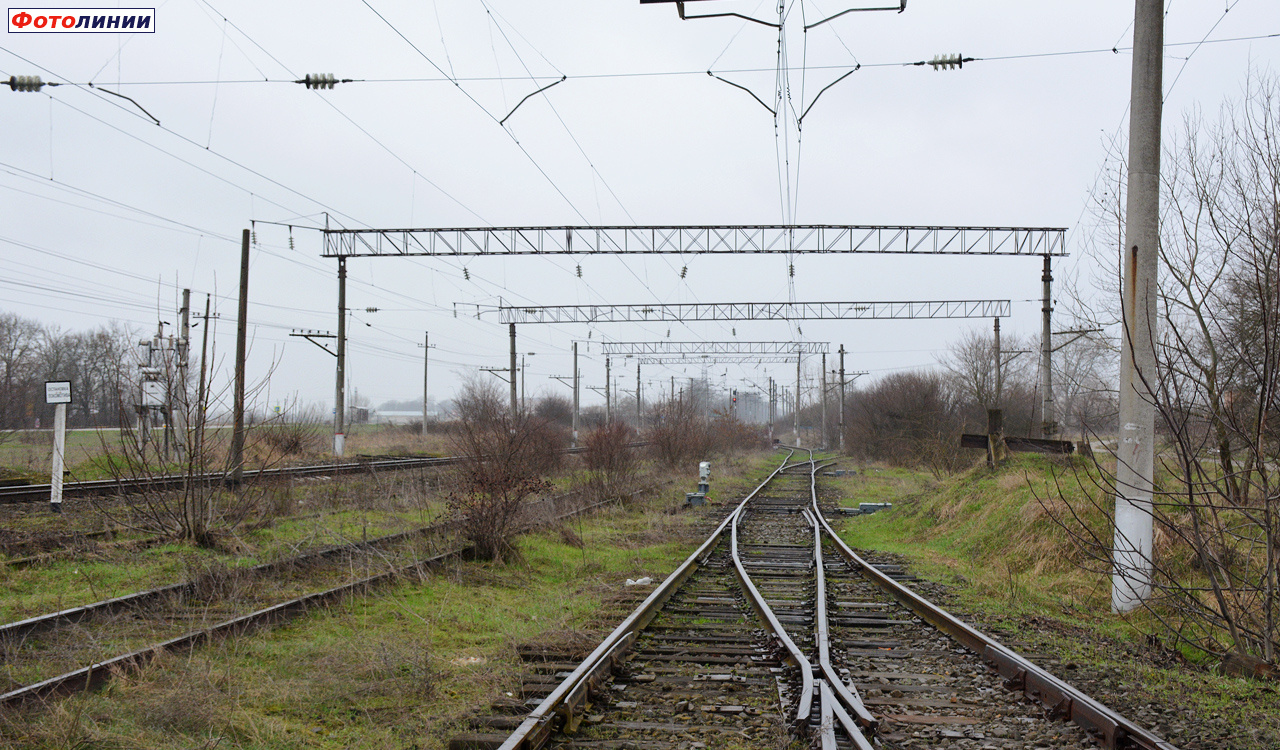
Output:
(127, 485)
(225, 605)
(774, 631)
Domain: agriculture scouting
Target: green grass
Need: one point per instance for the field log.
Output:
(399, 669)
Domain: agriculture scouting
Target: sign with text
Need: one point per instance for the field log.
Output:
(57, 392)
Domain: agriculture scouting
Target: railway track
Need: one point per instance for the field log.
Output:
(125, 485)
(774, 632)
(179, 617)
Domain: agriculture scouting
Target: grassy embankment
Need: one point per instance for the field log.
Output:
(404, 667)
(993, 537)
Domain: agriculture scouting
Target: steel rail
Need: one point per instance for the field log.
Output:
(37, 492)
(571, 693)
(19, 629)
(1063, 700)
(846, 694)
(805, 705)
(97, 673)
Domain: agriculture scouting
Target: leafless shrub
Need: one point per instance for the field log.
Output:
(507, 457)
(610, 461)
(910, 419)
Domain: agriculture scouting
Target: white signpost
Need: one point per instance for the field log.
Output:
(58, 392)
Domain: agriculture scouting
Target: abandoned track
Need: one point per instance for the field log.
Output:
(774, 632)
(48, 643)
(128, 485)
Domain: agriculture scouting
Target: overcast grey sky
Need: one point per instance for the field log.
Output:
(103, 213)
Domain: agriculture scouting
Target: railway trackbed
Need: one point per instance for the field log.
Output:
(72, 650)
(774, 632)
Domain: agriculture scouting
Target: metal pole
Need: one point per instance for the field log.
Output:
(575, 394)
(823, 385)
(637, 394)
(523, 380)
(773, 408)
(1135, 456)
(999, 364)
(426, 361)
(237, 432)
(799, 359)
(1047, 426)
(59, 451)
(339, 397)
(842, 398)
(514, 404)
(608, 402)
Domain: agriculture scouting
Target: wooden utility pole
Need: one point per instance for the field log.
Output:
(426, 361)
(201, 413)
(237, 432)
(183, 416)
(637, 394)
(576, 401)
(1135, 456)
(339, 397)
(608, 402)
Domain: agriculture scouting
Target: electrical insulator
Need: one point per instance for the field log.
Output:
(25, 83)
(947, 62)
(466, 274)
(579, 270)
(291, 242)
(792, 269)
(684, 271)
(320, 80)
(371, 309)
(253, 237)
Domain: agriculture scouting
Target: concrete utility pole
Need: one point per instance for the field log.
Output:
(183, 416)
(842, 398)
(514, 404)
(1048, 428)
(426, 360)
(608, 387)
(799, 359)
(1135, 457)
(773, 408)
(576, 375)
(237, 431)
(823, 386)
(339, 395)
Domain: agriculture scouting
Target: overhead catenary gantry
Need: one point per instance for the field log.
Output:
(755, 239)
(704, 348)
(773, 239)
(686, 312)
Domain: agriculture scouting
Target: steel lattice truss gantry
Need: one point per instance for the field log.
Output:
(717, 359)
(755, 311)
(685, 349)
(693, 240)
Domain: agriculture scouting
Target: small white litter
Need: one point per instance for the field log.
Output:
(468, 661)
(640, 582)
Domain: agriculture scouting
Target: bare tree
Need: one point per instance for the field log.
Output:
(1217, 491)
